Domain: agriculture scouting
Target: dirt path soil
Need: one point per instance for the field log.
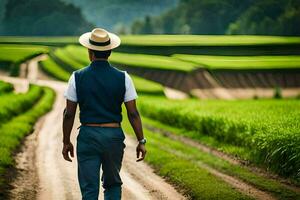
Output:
(45, 175)
(174, 94)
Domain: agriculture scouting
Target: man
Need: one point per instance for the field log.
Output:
(100, 90)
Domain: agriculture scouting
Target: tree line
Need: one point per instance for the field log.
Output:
(268, 17)
(41, 17)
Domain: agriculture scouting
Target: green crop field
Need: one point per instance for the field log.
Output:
(180, 162)
(71, 53)
(19, 53)
(242, 62)
(53, 69)
(144, 86)
(151, 62)
(5, 87)
(77, 57)
(18, 103)
(207, 40)
(55, 41)
(11, 56)
(270, 128)
(21, 113)
(168, 40)
(63, 56)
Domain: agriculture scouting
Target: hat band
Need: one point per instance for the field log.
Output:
(99, 43)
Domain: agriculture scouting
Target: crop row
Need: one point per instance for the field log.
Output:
(167, 40)
(14, 130)
(70, 54)
(268, 129)
(77, 57)
(14, 104)
(12, 55)
(182, 171)
(5, 87)
(65, 56)
(53, 69)
(242, 62)
(183, 166)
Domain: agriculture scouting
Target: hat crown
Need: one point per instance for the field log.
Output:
(99, 35)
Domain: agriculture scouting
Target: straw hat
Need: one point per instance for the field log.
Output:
(99, 39)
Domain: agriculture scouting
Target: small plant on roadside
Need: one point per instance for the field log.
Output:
(277, 93)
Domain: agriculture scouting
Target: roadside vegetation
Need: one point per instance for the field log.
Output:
(51, 68)
(70, 54)
(5, 87)
(242, 62)
(268, 129)
(181, 171)
(178, 163)
(11, 56)
(77, 57)
(19, 121)
(166, 40)
(206, 40)
(13, 104)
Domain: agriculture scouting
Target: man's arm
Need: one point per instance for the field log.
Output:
(68, 121)
(136, 123)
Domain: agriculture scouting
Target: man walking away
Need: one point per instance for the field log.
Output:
(100, 89)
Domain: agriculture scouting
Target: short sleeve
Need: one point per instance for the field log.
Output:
(130, 93)
(70, 92)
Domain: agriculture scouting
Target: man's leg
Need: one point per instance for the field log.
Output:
(88, 175)
(89, 162)
(111, 166)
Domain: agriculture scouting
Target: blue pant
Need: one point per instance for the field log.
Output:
(96, 147)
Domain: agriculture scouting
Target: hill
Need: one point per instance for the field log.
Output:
(269, 17)
(41, 17)
(117, 15)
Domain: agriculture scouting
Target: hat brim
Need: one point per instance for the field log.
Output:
(115, 41)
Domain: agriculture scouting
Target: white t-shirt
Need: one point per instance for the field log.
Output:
(130, 93)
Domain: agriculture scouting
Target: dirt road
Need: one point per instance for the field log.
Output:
(45, 175)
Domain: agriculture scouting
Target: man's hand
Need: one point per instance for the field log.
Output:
(140, 149)
(68, 147)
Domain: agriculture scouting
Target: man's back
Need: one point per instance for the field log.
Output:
(100, 91)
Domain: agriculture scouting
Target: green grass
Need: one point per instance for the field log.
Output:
(61, 54)
(167, 40)
(77, 53)
(56, 41)
(74, 57)
(11, 56)
(151, 62)
(194, 180)
(14, 104)
(54, 70)
(71, 54)
(19, 53)
(5, 87)
(242, 62)
(77, 57)
(144, 86)
(206, 40)
(13, 131)
(241, 172)
(269, 128)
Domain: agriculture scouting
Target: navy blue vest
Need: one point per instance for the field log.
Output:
(100, 92)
